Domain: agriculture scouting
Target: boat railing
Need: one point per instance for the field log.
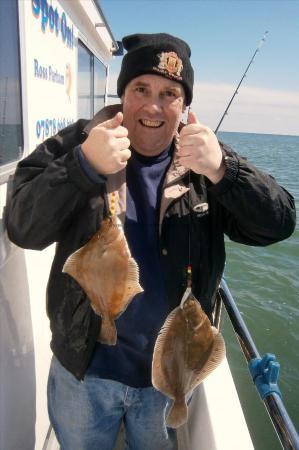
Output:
(264, 371)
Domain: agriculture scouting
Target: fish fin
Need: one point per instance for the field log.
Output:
(133, 270)
(159, 380)
(132, 286)
(178, 413)
(167, 324)
(70, 265)
(163, 332)
(215, 358)
(108, 333)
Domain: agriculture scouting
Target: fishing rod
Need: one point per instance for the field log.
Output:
(264, 372)
(240, 82)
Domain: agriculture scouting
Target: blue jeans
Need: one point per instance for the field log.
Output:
(87, 415)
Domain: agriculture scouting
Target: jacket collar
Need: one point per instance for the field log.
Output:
(175, 171)
(104, 114)
(116, 183)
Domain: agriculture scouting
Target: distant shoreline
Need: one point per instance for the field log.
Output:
(264, 134)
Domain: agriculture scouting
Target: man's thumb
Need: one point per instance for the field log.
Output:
(192, 118)
(114, 122)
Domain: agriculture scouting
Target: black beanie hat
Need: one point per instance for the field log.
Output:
(158, 54)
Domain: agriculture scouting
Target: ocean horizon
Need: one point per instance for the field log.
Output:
(253, 132)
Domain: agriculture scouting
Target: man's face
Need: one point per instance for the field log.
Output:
(152, 107)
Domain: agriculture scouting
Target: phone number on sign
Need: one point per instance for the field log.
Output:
(48, 127)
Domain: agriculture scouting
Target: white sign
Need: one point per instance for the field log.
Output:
(51, 69)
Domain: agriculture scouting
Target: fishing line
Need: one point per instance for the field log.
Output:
(240, 82)
(189, 267)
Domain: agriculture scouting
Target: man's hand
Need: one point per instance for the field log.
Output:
(200, 151)
(107, 146)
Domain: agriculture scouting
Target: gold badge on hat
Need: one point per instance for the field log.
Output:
(170, 64)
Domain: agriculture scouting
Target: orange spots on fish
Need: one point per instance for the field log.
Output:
(108, 275)
(187, 350)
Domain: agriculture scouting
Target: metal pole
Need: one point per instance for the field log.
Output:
(240, 82)
(283, 425)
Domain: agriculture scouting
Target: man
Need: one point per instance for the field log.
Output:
(136, 157)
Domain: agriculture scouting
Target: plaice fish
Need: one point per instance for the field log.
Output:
(107, 273)
(188, 348)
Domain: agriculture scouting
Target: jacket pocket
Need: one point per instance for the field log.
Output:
(74, 316)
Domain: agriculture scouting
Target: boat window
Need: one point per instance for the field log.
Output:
(85, 78)
(92, 75)
(11, 132)
(100, 74)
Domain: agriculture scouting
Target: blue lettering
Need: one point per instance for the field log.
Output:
(45, 13)
(35, 7)
(36, 68)
(55, 76)
(63, 26)
(37, 128)
(40, 71)
(69, 36)
(67, 32)
(56, 21)
(48, 127)
(51, 18)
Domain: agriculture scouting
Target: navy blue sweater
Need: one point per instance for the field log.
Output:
(129, 361)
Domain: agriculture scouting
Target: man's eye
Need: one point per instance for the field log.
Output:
(169, 94)
(140, 89)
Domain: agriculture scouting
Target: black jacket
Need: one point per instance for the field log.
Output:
(54, 201)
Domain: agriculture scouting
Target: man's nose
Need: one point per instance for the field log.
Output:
(153, 104)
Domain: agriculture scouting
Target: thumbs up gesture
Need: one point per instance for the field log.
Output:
(200, 151)
(107, 146)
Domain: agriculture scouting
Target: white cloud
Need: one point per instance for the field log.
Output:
(254, 110)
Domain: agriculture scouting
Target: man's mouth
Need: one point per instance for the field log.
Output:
(151, 123)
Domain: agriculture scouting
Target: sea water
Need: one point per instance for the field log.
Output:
(265, 284)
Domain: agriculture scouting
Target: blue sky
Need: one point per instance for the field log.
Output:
(223, 36)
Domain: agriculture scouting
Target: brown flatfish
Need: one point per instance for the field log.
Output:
(107, 273)
(186, 351)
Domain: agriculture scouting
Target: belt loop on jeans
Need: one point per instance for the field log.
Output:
(126, 395)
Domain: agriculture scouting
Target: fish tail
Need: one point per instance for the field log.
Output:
(178, 413)
(108, 334)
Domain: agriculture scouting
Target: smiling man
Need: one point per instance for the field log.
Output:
(152, 108)
(177, 191)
